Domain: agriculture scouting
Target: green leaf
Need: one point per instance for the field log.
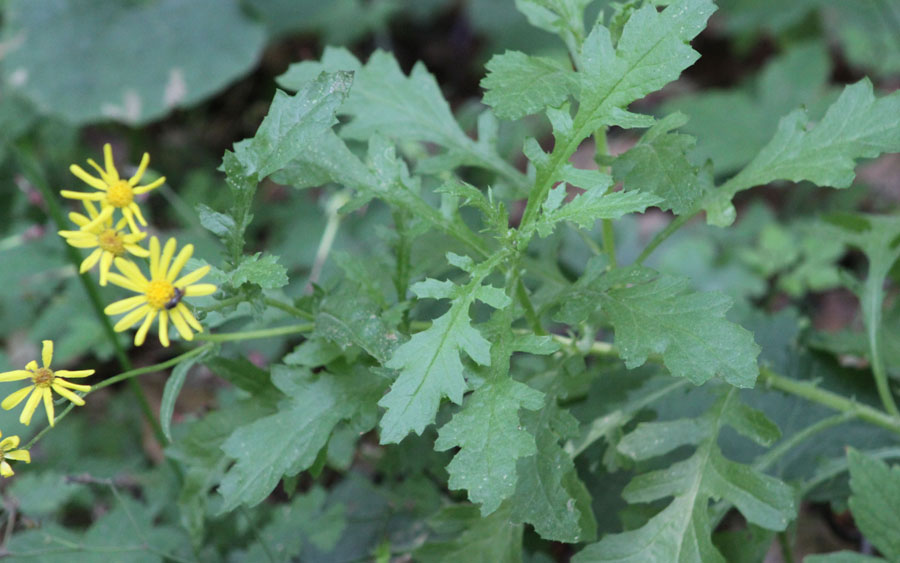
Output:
(264, 271)
(549, 494)
(587, 208)
(875, 501)
(289, 441)
(349, 317)
(215, 222)
(563, 17)
(293, 124)
(384, 101)
(656, 314)
(681, 531)
(241, 373)
(493, 539)
(517, 84)
(842, 557)
(731, 126)
(857, 125)
(306, 520)
(429, 363)
(187, 52)
(658, 164)
(42, 494)
(652, 51)
(490, 439)
(326, 160)
(170, 394)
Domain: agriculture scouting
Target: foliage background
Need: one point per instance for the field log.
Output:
(206, 78)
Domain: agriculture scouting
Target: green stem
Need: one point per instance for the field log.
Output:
(609, 242)
(525, 301)
(35, 175)
(47, 428)
(874, 296)
(290, 309)
(150, 369)
(831, 400)
(661, 236)
(256, 334)
(332, 225)
(786, 552)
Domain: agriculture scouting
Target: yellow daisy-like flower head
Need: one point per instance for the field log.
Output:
(114, 192)
(108, 241)
(8, 451)
(160, 296)
(43, 382)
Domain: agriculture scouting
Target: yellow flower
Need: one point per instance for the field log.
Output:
(43, 380)
(160, 295)
(115, 193)
(107, 241)
(8, 451)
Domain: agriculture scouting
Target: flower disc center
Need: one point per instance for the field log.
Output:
(159, 292)
(43, 377)
(120, 194)
(111, 240)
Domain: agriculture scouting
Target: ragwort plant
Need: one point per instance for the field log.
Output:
(465, 362)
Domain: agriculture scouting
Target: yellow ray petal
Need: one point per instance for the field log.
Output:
(68, 395)
(19, 455)
(47, 353)
(138, 251)
(200, 289)
(6, 469)
(133, 317)
(151, 186)
(166, 258)
(48, 405)
(103, 175)
(130, 270)
(136, 210)
(16, 398)
(183, 329)
(74, 373)
(164, 328)
(108, 162)
(105, 263)
(179, 262)
(122, 281)
(87, 178)
(119, 307)
(15, 375)
(70, 385)
(95, 196)
(194, 276)
(32, 365)
(142, 167)
(129, 216)
(10, 443)
(189, 317)
(104, 215)
(154, 258)
(91, 261)
(28, 411)
(141, 334)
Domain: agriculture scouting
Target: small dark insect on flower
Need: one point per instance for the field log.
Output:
(175, 300)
